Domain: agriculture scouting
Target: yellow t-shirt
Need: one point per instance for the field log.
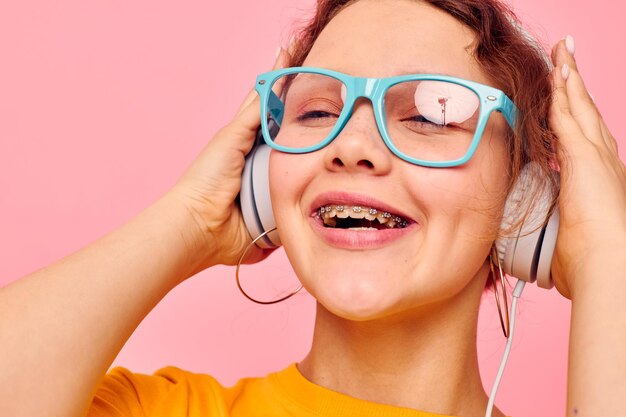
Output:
(172, 392)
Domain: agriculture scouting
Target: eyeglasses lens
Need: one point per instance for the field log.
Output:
(427, 120)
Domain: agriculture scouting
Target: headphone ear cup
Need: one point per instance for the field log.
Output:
(254, 198)
(526, 253)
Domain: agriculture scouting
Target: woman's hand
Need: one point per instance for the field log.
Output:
(590, 260)
(107, 288)
(593, 181)
(208, 188)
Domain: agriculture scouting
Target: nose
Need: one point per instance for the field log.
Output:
(359, 146)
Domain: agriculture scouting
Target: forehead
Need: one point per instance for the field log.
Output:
(382, 38)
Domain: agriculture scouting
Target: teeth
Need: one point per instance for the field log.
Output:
(384, 217)
(330, 213)
(342, 213)
(337, 211)
(371, 214)
(357, 213)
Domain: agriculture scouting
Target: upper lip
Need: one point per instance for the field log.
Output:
(355, 199)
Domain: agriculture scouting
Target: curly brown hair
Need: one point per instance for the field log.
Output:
(515, 62)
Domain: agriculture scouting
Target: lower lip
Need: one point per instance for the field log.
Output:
(359, 239)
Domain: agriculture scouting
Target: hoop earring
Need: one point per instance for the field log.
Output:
(243, 255)
(492, 255)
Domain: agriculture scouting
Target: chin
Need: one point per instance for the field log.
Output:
(355, 308)
(366, 289)
(359, 290)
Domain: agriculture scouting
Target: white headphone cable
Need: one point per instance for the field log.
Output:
(517, 292)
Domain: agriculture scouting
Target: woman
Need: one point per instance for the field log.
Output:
(395, 329)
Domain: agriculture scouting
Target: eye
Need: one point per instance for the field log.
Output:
(315, 114)
(423, 122)
(317, 111)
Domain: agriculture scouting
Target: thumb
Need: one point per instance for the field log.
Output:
(248, 119)
(282, 61)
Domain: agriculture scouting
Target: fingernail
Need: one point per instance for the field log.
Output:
(592, 99)
(565, 71)
(569, 44)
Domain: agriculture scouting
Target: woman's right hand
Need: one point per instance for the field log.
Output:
(107, 288)
(208, 188)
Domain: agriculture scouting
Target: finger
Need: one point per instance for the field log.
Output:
(246, 101)
(252, 95)
(247, 121)
(588, 114)
(609, 138)
(582, 106)
(251, 112)
(283, 59)
(292, 45)
(569, 135)
(561, 120)
(553, 53)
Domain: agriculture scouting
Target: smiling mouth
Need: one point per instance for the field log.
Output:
(339, 216)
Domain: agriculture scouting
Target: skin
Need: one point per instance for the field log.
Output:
(381, 326)
(589, 263)
(197, 224)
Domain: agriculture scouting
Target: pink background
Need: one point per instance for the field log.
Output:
(104, 103)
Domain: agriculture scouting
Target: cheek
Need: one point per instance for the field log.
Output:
(279, 165)
(493, 162)
(463, 205)
(478, 190)
(289, 176)
(280, 170)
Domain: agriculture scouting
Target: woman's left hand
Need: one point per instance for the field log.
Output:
(592, 201)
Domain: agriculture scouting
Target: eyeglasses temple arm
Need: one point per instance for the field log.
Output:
(276, 108)
(509, 111)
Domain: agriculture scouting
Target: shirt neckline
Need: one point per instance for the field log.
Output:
(316, 400)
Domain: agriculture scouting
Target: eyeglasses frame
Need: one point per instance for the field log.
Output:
(374, 89)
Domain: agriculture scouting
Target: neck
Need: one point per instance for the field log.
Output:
(424, 359)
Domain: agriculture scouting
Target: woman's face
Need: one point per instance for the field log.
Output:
(367, 274)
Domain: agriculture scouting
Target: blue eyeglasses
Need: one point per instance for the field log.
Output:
(425, 119)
